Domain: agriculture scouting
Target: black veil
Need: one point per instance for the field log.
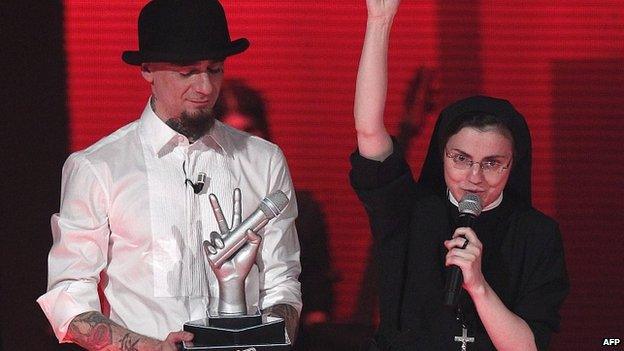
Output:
(519, 183)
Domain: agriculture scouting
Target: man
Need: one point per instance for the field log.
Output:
(126, 268)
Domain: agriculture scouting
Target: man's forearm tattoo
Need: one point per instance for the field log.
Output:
(94, 331)
(127, 343)
(91, 330)
(290, 316)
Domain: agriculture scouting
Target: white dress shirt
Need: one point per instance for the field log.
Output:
(130, 226)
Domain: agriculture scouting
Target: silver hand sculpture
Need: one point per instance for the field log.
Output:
(231, 274)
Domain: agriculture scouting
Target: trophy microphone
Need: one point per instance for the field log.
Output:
(269, 207)
(469, 209)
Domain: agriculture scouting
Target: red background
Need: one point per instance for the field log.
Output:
(560, 63)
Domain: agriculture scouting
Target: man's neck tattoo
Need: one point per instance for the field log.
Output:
(192, 126)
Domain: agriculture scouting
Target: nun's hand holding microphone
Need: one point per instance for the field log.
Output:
(465, 251)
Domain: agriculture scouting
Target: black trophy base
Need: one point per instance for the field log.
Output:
(238, 333)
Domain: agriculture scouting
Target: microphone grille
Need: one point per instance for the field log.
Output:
(274, 204)
(470, 204)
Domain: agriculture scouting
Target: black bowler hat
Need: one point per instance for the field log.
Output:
(183, 31)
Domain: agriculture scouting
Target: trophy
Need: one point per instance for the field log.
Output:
(231, 254)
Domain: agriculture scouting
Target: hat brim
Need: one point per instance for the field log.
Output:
(136, 58)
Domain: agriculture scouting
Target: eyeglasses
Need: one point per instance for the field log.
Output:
(460, 161)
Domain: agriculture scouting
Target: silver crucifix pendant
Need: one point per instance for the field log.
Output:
(464, 338)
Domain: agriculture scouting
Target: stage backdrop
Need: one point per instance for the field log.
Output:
(560, 63)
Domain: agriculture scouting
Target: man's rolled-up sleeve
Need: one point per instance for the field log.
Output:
(278, 261)
(79, 250)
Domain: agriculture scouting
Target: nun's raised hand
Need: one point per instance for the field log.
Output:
(465, 251)
(383, 9)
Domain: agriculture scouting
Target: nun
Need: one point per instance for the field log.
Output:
(510, 259)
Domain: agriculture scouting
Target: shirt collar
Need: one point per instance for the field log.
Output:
(491, 206)
(218, 136)
(163, 139)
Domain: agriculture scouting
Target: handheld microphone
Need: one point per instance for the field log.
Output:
(469, 209)
(269, 207)
(199, 185)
